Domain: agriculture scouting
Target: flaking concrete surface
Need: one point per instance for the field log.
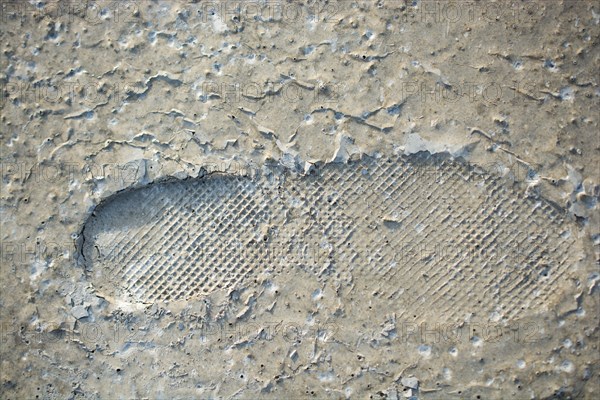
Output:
(103, 100)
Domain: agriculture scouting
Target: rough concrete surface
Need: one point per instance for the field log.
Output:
(300, 199)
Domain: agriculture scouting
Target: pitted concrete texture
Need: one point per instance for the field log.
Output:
(161, 235)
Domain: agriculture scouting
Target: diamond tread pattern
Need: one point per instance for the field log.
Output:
(429, 232)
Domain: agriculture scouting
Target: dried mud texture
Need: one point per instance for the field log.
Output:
(467, 243)
(105, 100)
